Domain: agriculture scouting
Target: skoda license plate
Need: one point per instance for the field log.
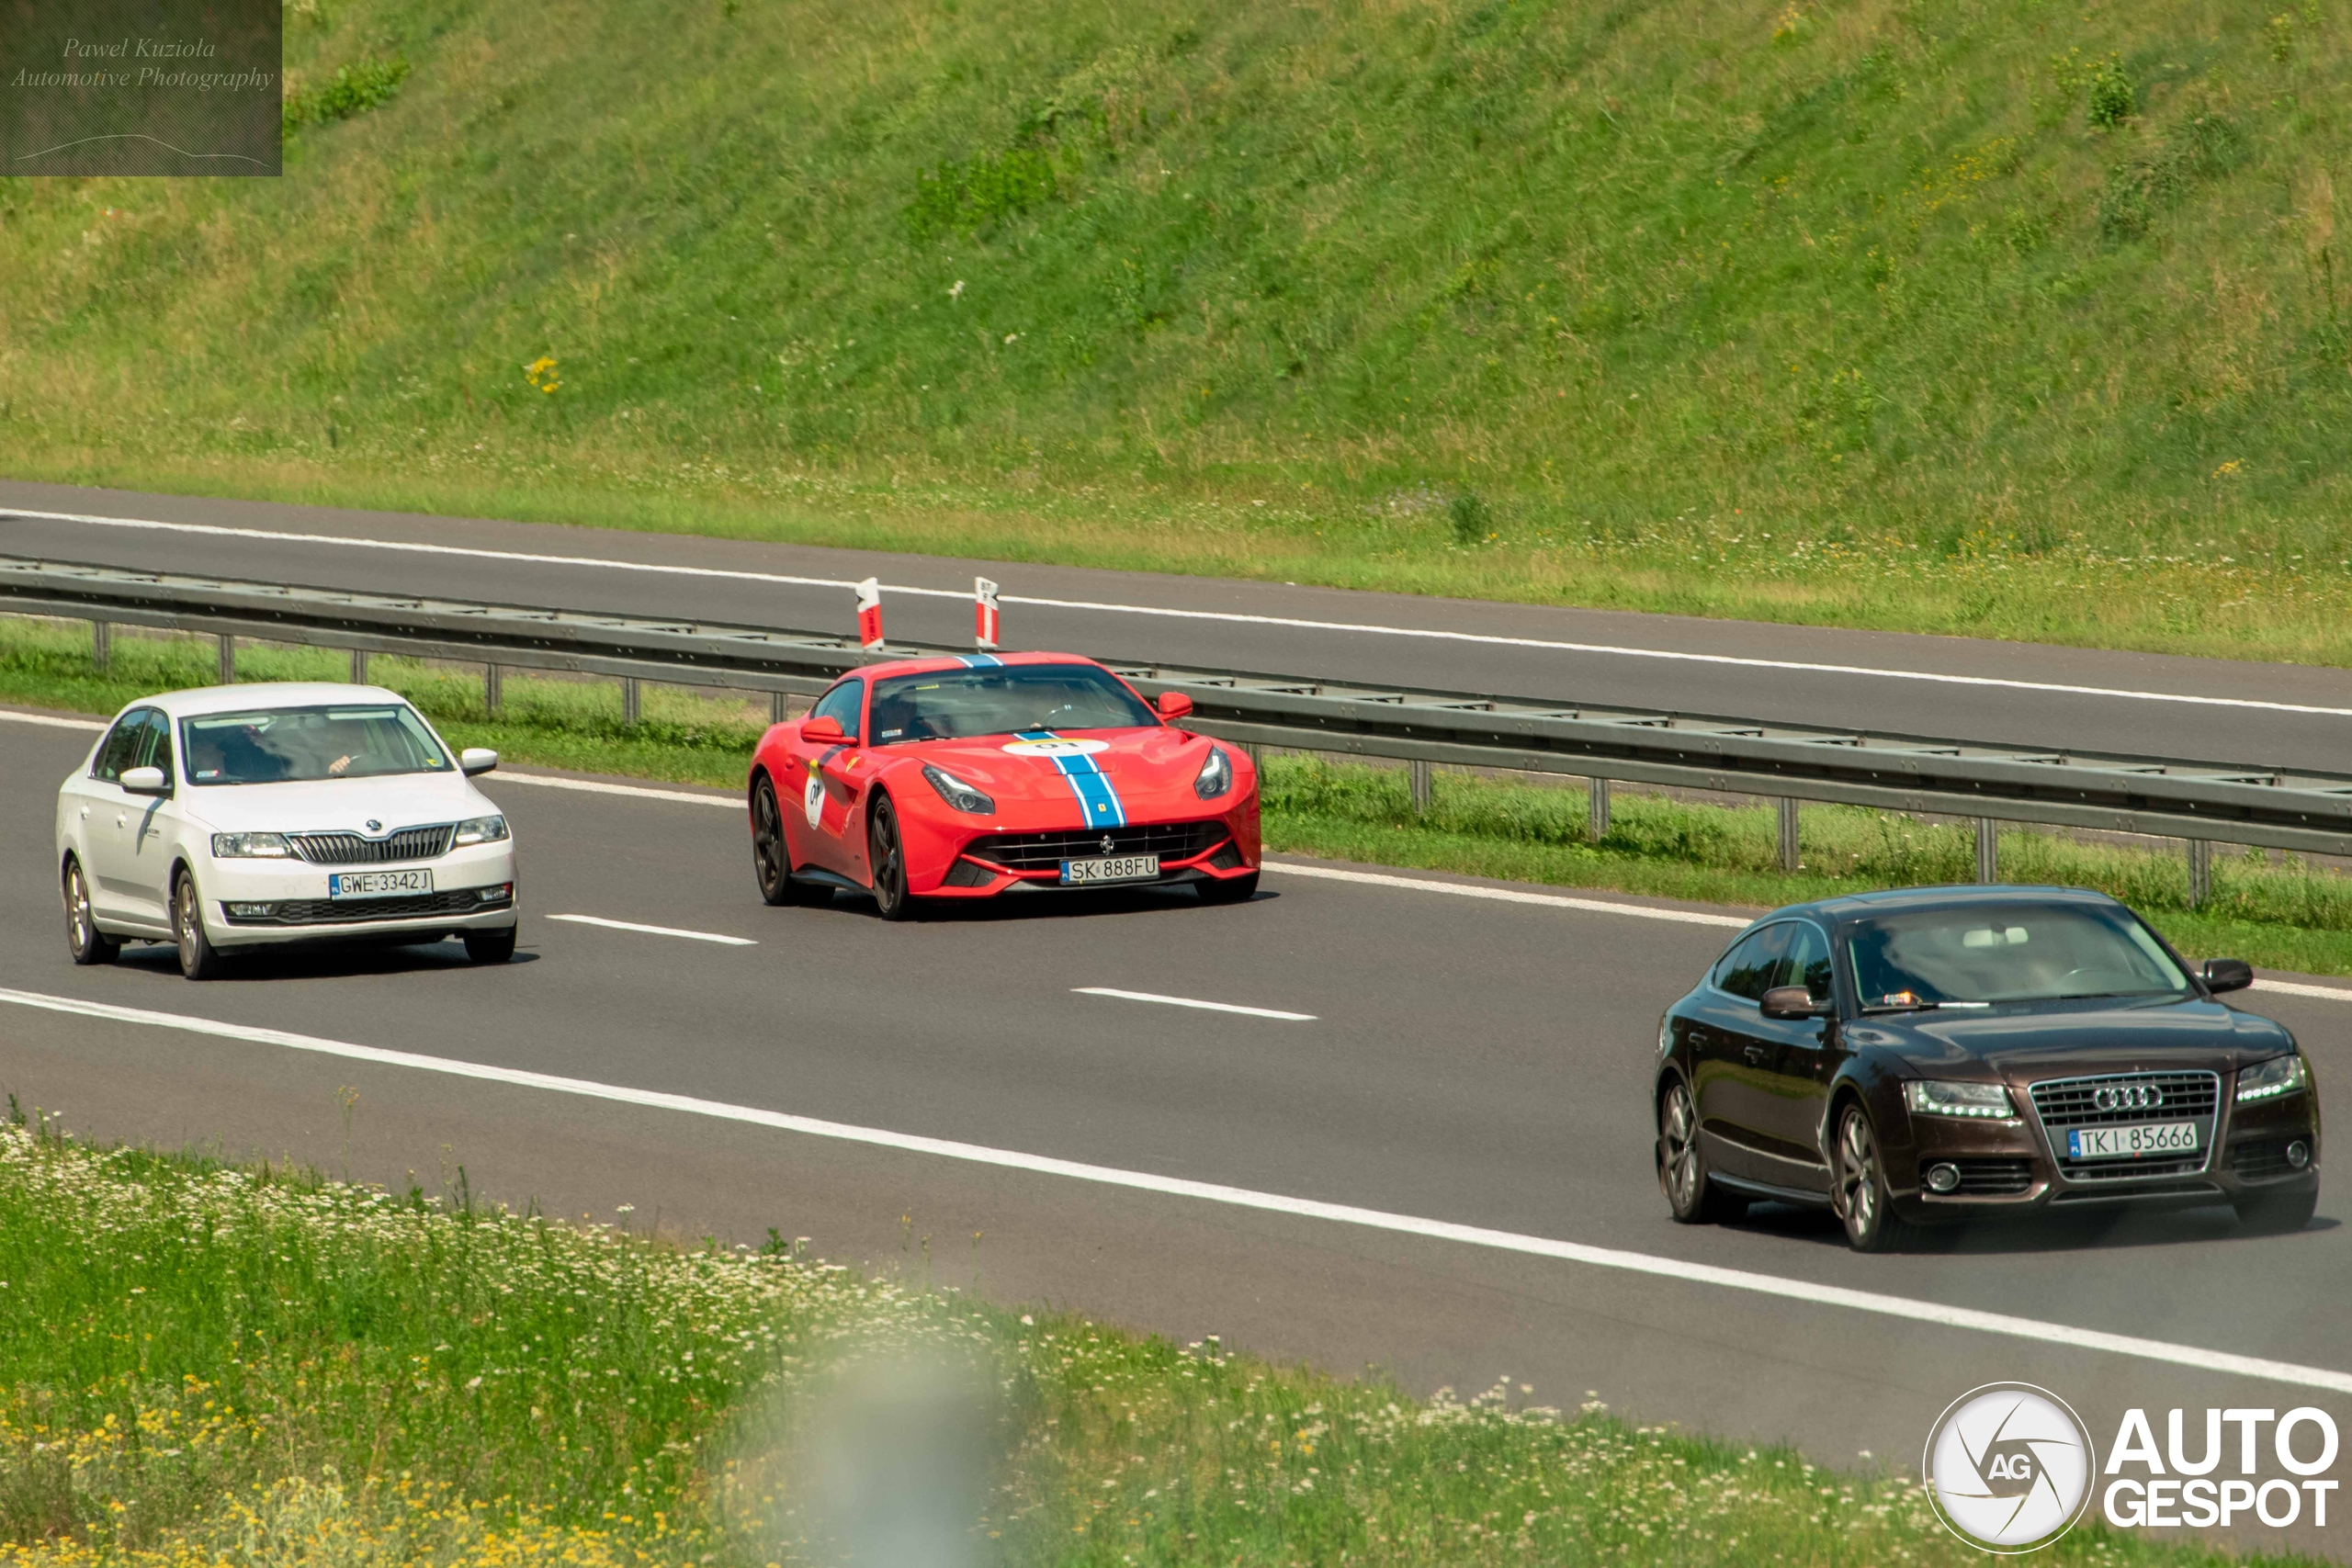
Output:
(378, 884)
(2127, 1143)
(1110, 868)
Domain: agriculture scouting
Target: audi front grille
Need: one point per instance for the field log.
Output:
(2112, 1100)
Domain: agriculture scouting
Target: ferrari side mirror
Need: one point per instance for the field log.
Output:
(825, 727)
(1174, 705)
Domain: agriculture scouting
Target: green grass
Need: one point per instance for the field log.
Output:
(1972, 317)
(2275, 910)
(204, 1365)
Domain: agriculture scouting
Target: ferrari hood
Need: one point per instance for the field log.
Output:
(1035, 767)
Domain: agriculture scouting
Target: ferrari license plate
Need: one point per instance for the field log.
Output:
(378, 884)
(2126, 1142)
(1112, 868)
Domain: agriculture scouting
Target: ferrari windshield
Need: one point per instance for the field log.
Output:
(948, 704)
(2016, 953)
(303, 745)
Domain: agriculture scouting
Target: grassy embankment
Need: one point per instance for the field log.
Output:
(2275, 911)
(1973, 317)
(256, 1367)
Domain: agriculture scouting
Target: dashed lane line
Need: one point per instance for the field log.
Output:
(1191, 1002)
(721, 939)
(2200, 1357)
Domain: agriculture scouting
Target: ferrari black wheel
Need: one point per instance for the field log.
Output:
(1695, 1196)
(1858, 1188)
(82, 938)
(772, 853)
(1228, 890)
(885, 855)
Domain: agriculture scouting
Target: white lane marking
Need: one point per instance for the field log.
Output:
(635, 792)
(2199, 1356)
(1189, 1002)
(1507, 894)
(2290, 987)
(1230, 617)
(656, 931)
(15, 717)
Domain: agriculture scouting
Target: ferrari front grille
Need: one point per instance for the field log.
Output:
(1046, 851)
(350, 848)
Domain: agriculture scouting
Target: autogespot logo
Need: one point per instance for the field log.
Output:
(2009, 1467)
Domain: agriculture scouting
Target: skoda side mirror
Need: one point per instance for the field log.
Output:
(150, 781)
(1793, 1001)
(476, 760)
(824, 726)
(2220, 974)
(1174, 705)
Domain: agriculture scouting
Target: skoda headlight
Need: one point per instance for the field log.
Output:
(481, 830)
(1215, 775)
(251, 846)
(2268, 1080)
(958, 793)
(1937, 1097)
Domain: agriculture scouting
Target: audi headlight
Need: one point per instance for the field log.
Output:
(251, 846)
(481, 830)
(2268, 1080)
(958, 793)
(1937, 1096)
(1215, 776)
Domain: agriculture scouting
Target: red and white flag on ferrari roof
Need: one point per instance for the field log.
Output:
(869, 615)
(985, 620)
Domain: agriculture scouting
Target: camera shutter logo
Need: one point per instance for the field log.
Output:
(2009, 1467)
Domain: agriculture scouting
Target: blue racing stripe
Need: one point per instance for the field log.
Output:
(1098, 798)
(980, 661)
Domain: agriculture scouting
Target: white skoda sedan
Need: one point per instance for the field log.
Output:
(236, 817)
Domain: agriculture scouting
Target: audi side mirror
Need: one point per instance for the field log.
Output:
(150, 781)
(822, 728)
(476, 760)
(2220, 974)
(1793, 1001)
(1174, 705)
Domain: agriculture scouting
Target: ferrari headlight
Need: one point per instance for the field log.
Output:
(481, 830)
(956, 793)
(1934, 1097)
(1215, 775)
(2268, 1080)
(251, 846)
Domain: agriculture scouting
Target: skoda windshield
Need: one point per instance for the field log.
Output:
(1014, 699)
(1982, 955)
(305, 745)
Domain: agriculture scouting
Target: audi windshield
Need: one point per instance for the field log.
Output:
(949, 704)
(2024, 952)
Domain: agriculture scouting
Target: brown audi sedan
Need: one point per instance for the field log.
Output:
(1946, 1053)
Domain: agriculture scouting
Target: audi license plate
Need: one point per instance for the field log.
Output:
(378, 884)
(2128, 1143)
(1112, 868)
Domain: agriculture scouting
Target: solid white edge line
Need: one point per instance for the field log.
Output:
(2295, 988)
(634, 792)
(1508, 895)
(51, 721)
(1189, 1002)
(656, 931)
(1227, 617)
(2197, 1357)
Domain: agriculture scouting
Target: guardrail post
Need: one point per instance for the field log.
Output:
(2201, 872)
(1595, 825)
(1418, 770)
(1988, 850)
(775, 707)
(494, 687)
(101, 645)
(628, 700)
(228, 660)
(1787, 834)
(359, 666)
(1249, 749)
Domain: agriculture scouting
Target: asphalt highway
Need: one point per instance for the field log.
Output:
(2240, 715)
(1470, 1061)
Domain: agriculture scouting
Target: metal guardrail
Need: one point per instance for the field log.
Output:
(2164, 797)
